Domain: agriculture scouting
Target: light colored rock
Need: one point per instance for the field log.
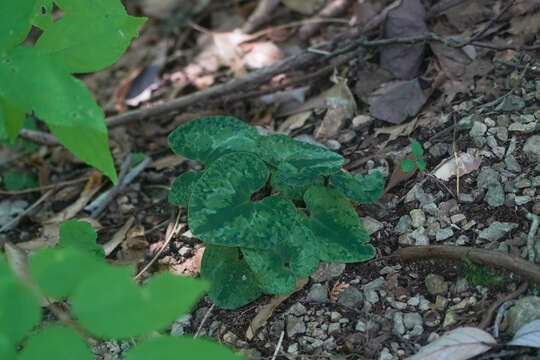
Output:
(524, 311)
(327, 271)
(318, 293)
(418, 218)
(295, 325)
(436, 284)
(497, 230)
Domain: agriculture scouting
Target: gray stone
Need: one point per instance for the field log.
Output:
(500, 132)
(371, 225)
(418, 218)
(385, 354)
(293, 348)
(487, 177)
(438, 150)
(478, 129)
(450, 318)
(333, 144)
(524, 311)
(511, 103)
(410, 320)
(497, 230)
(399, 326)
(535, 181)
(431, 209)
(435, 284)
(495, 195)
(417, 330)
(350, 297)
(444, 234)
(327, 271)
(512, 164)
(177, 328)
(404, 225)
(318, 293)
(229, 338)
(295, 325)
(333, 327)
(335, 316)
(370, 290)
(298, 309)
(532, 147)
(522, 200)
(527, 118)
(414, 301)
(522, 128)
(466, 198)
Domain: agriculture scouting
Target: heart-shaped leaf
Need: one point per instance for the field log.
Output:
(221, 211)
(293, 192)
(336, 226)
(297, 163)
(182, 187)
(82, 236)
(362, 189)
(232, 283)
(207, 138)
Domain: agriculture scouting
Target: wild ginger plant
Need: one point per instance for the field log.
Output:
(268, 207)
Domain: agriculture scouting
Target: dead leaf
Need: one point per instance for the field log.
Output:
(528, 335)
(404, 60)
(266, 311)
(118, 237)
(395, 101)
(370, 79)
(398, 175)
(463, 162)
(341, 107)
(459, 344)
(166, 162)
(469, 13)
(293, 122)
(191, 266)
(337, 289)
(261, 54)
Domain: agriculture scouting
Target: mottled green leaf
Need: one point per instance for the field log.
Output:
(270, 269)
(182, 187)
(293, 192)
(207, 138)
(15, 17)
(303, 247)
(359, 188)
(232, 283)
(81, 236)
(421, 163)
(417, 149)
(297, 163)
(336, 226)
(221, 211)
(407, 165)
(56, 342)
(176, 348)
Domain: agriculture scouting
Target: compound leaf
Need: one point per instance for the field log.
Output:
(421, 163)
(209, 137)
(221, 211)
(56, 342)
(58, 272)
(336, 226)
(359, 188)
(15, 17)
(80, 235)
(31, 82)
(297, 163)
(169, 348)
(182, 188)
(232, 283)
(108, 31)
(417, 149)
(407, 165)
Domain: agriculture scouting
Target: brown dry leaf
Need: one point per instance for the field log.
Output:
(293, 122)
(166, 162)
(396, 131)
(118, 237)
(266, 311)
(398, 175)
(526, 25)
(134, 247)
(337, 289)
(91, 187)
(370, 79)
(191, 266)
(469, 13)
(395, 101)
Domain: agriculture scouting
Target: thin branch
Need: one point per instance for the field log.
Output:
(478, 256)
(493, 308)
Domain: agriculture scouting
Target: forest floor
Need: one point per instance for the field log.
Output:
(469, 93)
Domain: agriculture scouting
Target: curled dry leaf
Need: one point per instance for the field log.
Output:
(459, 344)
(463, 162)
(191, 266)
(337, 289)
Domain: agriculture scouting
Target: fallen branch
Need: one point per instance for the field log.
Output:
(493, 258)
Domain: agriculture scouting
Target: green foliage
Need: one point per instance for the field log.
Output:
(409, 165)
(480, 275)
(38, 79)
(105, 301)
(242, 206)
(14, 180)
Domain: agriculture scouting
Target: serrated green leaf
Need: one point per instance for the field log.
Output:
(7, 348)
(11, 119)
(106, 36)
(58, 272)
(15, 23)
(336, 226)
(293, 192)
(14, 180)
(359, 188)
(232, 283)
(221, 211)
(56, 342)
(421, 163)
(417, 149)
(20, 310)
(182, 187)
(31, 82)
(207, 138)
(80, 235)
(270, 270)
(297, 163)
(407, 165)
(169, 348)
(42, 14)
